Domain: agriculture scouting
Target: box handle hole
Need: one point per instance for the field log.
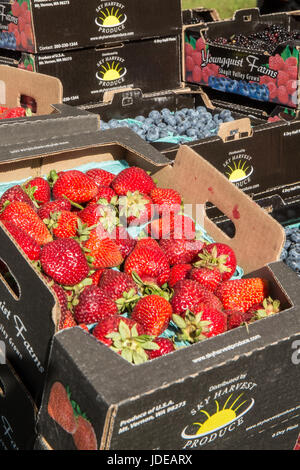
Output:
(9, 280)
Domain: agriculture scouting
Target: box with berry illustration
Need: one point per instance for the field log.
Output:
(43, 26)
(31, 108)
(251, 55)
(17, 412)
(208, 396)
(86, 74)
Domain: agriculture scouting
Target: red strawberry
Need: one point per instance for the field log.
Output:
(66, 321)
(263, 309)
(30, 247)
(235, 318)
(73, 184)
(132, 179)
(137, 208)
(53, 206)
(209, 298)
(179, 226)
(25, 217)
(84, 437)
(60, 295)
(165, 347)
(60, 408)
(102, 251)
(119, 287)
(242, 294)
(13, 113)
(126, 337)
(62, 224)
(207, 278)
(64, 261)
(187, 294)
(107, 194)
(95, 276)
(123, 240)
(95, 213)
(178, 273)
(148, 243)
(205, 322)
(218, 255)
(100, 177)
(153, 313)
(94, 305)
(38, 190)
(15, 194)
(149, 264)
(180, 250)
(167, 200)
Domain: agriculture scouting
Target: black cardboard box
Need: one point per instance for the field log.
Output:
(29, 315)
(270, 177)
(199, 15)
(258, 74)
(17, 412)
(86, 74)
(239, 390)
(43, 26)
(49, 116)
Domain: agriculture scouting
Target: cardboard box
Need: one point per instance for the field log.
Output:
(234, 69)
(41, 444)
(29, 315)
(17, 412)
(272, 181)
(87, 73)
(199, 15)
(43, 26)
(239, 390)
(49, 117)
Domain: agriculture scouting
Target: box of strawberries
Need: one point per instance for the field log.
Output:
(149, 310)
(31, 108)
(251, 55)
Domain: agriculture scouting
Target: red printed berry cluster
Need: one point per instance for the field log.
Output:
(23, 29)
(283, 89)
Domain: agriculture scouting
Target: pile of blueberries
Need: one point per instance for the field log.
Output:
(291, 251)
(7, 40)
(241, 87)
(182, 126)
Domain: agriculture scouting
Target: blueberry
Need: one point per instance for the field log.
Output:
(152, 134)
(181, 129)
(293, 264)
(185, 110)
(295, 236)
(166, 112)
(284, 254)
(201, 109)
(192, 132)
(170, 120)
(104, 126)
(192, 113)
(140, 118)
(149, 121)
(163, 133)
(162, 125)
(155, 115)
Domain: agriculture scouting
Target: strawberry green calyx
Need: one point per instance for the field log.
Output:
(148, 288)
(128, 301)
(5, 205)
(270, 307)
(74, 204)
(30, 190)
(52, 178)
(83, 231)
(212, 260)
(191, 326)
(132, 205)
(108, 217)
(104, 202)
(73, 292)
(131, 346)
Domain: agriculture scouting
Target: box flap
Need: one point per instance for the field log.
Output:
(14, 83)
(258, 237)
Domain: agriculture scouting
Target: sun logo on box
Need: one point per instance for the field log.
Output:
(110, 71)
(110, 18)
(222, 417)
(239, 171)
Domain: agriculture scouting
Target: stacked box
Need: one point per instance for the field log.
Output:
(220, 56)
(98, 47)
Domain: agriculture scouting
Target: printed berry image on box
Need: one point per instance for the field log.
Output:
(261, 64)
(16, 26)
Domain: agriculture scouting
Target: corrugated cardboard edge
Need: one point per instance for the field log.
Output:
(108, 427)
(44, 89)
